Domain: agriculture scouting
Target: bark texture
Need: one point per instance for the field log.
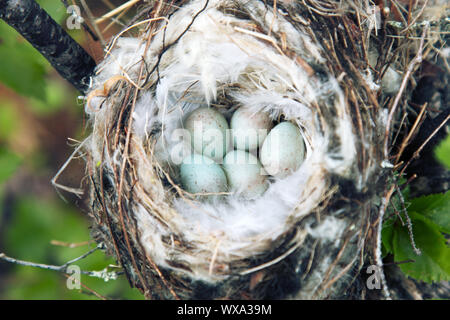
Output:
(71, 61)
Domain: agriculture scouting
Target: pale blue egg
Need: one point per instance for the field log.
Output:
(200, 174)
(245, 174)
(249, 128)
(283, 151)
(208, 130)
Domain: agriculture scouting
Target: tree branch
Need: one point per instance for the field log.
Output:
(102, 274)
(71, 61)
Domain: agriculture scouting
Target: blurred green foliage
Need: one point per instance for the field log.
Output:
(35, 223)
(23, 69)
(35, 220)
(8, 119)
(8, 163)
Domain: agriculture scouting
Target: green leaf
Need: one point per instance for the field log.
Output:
(435, 207)
(442, 152)
(387, 235)
(9, 162)
(433, 265)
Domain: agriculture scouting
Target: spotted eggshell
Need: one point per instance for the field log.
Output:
(245, 174)
(283, 150)
(200, 174)
(249, 128)
(208, 130)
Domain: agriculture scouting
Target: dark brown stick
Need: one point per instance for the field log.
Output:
(71, 61)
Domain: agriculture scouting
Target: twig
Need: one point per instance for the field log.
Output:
(398, 214)
(112, 13)
(92, 20)
(117, 36)
(408, 222)
(417, 59)
(77, 191)
(98, 295)
(116, 20)
(411, 132)
(377, 255)
(165, 48)
(272, 262)
(412, 23)
(82, 256)
(417, 152)
(400, 25)
(399, 262)
(69, 244)
(103, 274)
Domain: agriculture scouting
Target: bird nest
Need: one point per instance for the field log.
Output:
(304, 62)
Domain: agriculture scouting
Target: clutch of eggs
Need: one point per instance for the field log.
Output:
(225, 157)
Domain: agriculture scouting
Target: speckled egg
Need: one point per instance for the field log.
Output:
(208, 129)
(245, 174)
(249, 128)
(283, 151)
(200, 174)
